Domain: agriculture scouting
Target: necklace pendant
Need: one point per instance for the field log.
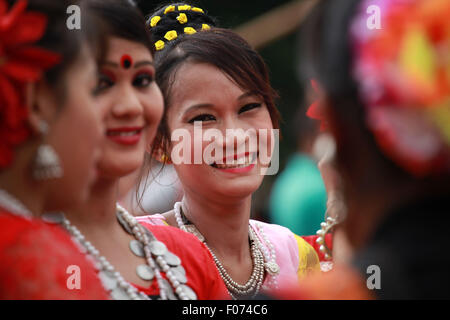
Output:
(272, 268)
(53, 218)
(145, 272)
(137, 248)
(192, 229)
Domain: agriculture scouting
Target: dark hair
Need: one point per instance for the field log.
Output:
(123, 19)
(67, 43)
(328, 58)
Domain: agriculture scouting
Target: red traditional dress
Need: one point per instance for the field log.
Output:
(202, 275)
(41, 262)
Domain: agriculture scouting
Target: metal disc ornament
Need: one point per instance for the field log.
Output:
(124, 224)
(172, 259)
(53, 218)
(167, 288)
(179, 275)
(137, 248)
(145, 272)
(158, 248)
(189, 292)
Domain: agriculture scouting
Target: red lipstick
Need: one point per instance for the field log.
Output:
(125, 136)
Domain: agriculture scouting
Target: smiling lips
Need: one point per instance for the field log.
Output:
(237, 164)
(125, 136)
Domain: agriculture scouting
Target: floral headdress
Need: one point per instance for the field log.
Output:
(20, 63)
(180, 14)
(402, 70)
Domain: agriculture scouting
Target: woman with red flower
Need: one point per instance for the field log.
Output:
(47, 110)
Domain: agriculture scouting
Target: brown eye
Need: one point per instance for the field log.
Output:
(104, 82)
(143, 80)
(203, 118)
(249, 107)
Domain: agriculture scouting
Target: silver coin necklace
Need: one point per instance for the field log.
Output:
(145, 245)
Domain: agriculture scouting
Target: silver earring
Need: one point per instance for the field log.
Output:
(46, 164)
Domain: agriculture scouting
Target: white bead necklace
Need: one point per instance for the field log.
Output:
(13, 205)
(259, 254)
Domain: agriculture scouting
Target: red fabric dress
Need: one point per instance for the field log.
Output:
(35, 261)
(201, 271)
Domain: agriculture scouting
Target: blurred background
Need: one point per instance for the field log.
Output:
(271, 27)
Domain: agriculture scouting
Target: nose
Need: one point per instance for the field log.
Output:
(237, 135)
(127, 103)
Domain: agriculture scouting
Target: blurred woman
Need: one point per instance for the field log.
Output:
(48, 79)
(134, 262)
(210, 78)
(386, 93)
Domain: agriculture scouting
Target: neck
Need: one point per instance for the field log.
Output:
(17, 182)
(231, 217)
(99, 210)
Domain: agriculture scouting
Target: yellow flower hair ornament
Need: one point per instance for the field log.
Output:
(197, 10)
(182, 18)
(184, 8)
(169, 9)
(171, 35)
(159, 45)
(189, 30)
(154, 21)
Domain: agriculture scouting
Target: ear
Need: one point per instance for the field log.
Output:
(41, 105)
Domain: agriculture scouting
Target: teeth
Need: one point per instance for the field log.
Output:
(124, 134)
(239, 163)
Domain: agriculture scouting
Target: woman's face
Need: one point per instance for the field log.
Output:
(75, 132)
(202, 93)
(133, 104)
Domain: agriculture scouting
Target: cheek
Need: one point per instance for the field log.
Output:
(154, 107)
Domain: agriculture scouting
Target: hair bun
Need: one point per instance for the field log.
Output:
(170, 22)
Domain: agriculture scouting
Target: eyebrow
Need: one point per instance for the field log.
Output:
(198, 106)
(210, 105)
(248, 94)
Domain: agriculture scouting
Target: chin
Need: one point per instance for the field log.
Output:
(239, 188)
(119, 165)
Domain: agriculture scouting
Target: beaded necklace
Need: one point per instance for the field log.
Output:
(262, 259)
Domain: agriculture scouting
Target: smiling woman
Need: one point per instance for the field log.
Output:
(213, 78)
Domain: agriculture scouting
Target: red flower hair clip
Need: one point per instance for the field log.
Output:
(315, 110)
(20, 63)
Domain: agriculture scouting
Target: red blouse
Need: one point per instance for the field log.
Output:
(201, 271)
(39, 261)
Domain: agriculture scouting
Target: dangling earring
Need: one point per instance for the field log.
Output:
(165, 158)
(46, 163)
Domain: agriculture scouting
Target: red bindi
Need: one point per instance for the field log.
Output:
(126, 61)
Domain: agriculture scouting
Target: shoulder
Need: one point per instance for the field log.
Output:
(274, 232)
(36, 260)
(286, 242)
